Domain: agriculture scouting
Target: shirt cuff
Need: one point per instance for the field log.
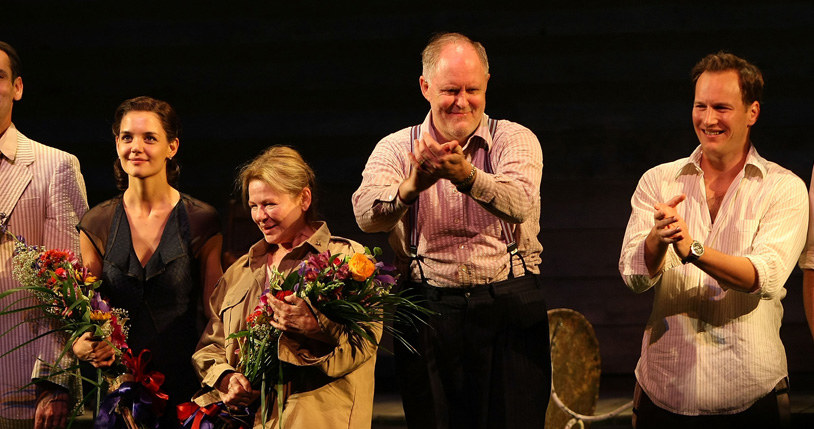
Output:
(390, 195)
(767, 285)
(58, 374)
(482, 187)
(807, 259)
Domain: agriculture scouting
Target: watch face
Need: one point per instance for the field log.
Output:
(697, 249)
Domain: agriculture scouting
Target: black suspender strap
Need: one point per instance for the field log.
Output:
(414, 135)
(508, 236)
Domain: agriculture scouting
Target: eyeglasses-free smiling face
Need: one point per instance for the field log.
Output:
(456, 90)
(143, 147)
(279, 215)
(720, 118)
(11, 90)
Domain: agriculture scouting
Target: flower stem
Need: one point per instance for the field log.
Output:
(98, 392)
(280, 394)
(263, 410)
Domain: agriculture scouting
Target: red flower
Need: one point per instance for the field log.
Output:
(117, 336)
(311, 275)
(61, 273)
(252, 317)
(282, 294)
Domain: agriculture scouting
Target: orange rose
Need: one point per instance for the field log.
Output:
(361, 267)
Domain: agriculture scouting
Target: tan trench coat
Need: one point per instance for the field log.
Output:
(334, 385)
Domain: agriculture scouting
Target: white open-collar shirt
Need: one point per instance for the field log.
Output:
(708, 349)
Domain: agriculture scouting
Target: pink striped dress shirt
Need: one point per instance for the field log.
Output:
(706, 349)
(459, 234)
(42, 190)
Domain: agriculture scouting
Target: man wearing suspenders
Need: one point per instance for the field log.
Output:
(459, 195)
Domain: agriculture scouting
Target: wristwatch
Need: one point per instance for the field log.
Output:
(696, 250)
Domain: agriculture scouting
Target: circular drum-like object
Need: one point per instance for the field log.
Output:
(576, 365)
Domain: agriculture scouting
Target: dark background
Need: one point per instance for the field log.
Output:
(604, 85)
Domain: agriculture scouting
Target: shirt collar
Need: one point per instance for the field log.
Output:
(755, 164)
(318, 242)
(482, 132)
(8, 143)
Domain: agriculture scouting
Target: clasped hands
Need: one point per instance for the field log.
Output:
(669, 227)
(431, 162)
(98, 352)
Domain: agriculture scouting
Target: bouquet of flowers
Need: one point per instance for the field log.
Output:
(354, 291)
(67, 295)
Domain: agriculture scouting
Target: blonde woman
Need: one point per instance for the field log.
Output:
(333, 384)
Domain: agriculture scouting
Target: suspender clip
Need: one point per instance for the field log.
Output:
(512, 248)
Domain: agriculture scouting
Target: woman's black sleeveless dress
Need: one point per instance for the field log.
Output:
(164, 297)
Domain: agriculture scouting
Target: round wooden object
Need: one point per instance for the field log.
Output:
(576, 365)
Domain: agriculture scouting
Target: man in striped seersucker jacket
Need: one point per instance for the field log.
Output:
(42, 197)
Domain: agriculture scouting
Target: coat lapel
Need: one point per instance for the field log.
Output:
(15, 176)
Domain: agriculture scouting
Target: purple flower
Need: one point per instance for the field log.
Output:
(384, 266)
(308, 271)
(386, 279)
(303, 267)
(97, 303)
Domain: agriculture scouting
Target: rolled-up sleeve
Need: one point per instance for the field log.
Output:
(780, 237)
(376, 204)
(509, 193)
(631, 261)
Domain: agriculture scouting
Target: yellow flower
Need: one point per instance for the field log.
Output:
(99, 315)
(361, 267)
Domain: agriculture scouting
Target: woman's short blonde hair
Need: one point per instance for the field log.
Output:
(282, 168)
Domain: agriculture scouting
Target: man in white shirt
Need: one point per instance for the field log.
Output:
(715, 235)
(42, 197)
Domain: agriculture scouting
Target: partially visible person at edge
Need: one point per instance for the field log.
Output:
(333, 385)
(156, 250)
(807, 261)
(715, 235)
(453, 195)
(42, 197)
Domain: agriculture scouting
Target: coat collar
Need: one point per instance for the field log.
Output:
(15, 174)
(258, 253)
(257, 256)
